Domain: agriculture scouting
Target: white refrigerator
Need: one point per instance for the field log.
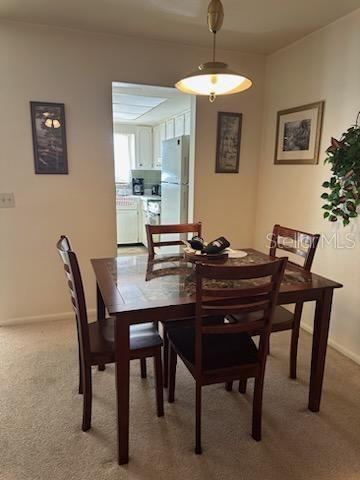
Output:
(175, 180)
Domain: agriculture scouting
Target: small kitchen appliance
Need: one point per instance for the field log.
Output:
(156, 189)
(138, 186)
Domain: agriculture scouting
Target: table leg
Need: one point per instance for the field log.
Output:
(100, 304)
(122, 351)
(100, 309)
(319, 346)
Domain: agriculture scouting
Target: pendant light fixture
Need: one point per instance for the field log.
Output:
(214, 78)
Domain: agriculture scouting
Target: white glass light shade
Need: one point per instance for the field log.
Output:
(213, 78)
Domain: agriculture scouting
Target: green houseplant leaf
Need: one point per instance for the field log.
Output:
(343, 195)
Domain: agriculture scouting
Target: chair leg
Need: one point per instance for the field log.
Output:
(166, 356)
(101, 367)
(242, 385)
(87, 397)
(257, 408)
(198, 449)
(80, 375)
(143, 367)
(228, 386)
(159, 383)
(172, 374)
(295, 340)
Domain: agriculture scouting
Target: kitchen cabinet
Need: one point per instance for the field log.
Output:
(142, 221)
(156, 147)
(127, 226)
(179, 125)
(170, 128)
(144, 148)
(187, 123)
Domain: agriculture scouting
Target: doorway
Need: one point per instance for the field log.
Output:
(154, 160)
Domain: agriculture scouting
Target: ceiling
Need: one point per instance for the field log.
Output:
(256, 26)
(146, 105)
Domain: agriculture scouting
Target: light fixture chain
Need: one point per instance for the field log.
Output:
(214, 46)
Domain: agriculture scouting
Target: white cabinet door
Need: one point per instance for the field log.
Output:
(156, 147)
(179, 125)
(127, 226)
(144, 148)
(170, 129)
(187, 126)
(162, 132)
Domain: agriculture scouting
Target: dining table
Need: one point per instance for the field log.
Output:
(134, 289)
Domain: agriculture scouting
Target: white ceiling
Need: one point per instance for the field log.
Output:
(255, 26)
(146, 105)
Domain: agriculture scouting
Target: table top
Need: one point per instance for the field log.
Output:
(135, 283)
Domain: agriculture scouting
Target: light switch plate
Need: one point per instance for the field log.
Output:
(7, 200)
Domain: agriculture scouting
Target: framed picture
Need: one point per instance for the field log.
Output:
(228, 142)
(298, 134)
(49, 138)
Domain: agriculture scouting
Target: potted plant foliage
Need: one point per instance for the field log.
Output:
(343, 195)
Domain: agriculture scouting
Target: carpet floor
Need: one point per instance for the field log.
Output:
(40, 419)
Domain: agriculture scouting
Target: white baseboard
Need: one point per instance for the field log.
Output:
(344, 351)
(44, 318)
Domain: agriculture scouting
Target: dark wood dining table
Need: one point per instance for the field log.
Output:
(134, 289)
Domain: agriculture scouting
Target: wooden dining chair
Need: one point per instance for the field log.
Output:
(157, 230)
(300, 244)
(96, 340)
(225, 352)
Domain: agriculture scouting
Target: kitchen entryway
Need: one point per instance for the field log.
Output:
(154, 160)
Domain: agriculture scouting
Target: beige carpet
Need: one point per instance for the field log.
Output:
(40, 418)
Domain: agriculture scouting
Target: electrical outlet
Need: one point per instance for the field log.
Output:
(7, 200)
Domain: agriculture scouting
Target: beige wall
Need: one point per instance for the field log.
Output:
(324, 66)
(40, 63)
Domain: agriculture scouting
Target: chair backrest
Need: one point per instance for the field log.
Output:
(75, 284)
(296, 242)
(232, 290)
(151, 230)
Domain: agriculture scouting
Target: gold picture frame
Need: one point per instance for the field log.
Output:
(298, 135)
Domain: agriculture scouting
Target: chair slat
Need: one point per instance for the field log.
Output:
(235, 308)
(220, 272)
(168, 243)
(246, 291)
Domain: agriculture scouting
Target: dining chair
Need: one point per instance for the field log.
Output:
(225, 352)
(96, 340)
(300, 244)
(157, 230)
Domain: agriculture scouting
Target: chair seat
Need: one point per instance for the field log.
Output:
(102, 337)
(283, 319)
(218, 350)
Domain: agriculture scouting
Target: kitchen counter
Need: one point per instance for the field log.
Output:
(146, 197)
(130, 201)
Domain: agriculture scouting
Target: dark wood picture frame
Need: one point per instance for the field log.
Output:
(228, 142)
(313, 136)
(49, 138)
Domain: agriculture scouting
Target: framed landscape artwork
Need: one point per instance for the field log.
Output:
(298, 134)
(228, 142)
(49, 138)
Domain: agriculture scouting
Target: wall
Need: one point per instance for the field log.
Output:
(59, 65)
(323, 66)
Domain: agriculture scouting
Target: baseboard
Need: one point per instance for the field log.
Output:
(344, 351)
(44, 318)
